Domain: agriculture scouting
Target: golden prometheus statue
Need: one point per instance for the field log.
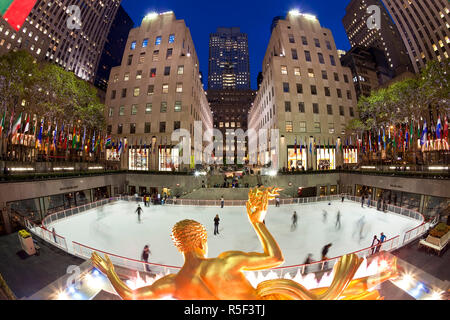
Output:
(223, 278)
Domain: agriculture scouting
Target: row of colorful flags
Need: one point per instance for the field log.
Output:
(399, 138)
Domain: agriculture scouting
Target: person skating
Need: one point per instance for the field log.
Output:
(139, 211)
(294, 221)
(277, 201)
(338, 220)
(325, 250)
(145, 254)
(222, 202)
(382, 239)
(362, 201)
(308, 261)
(216, 224)
(368, 200)
(375, 241)
(324, 215)
(343, 197)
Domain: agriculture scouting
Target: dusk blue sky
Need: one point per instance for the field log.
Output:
(253, 17)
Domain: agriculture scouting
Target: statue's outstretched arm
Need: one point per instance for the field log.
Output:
(160, 289)
(272, 255)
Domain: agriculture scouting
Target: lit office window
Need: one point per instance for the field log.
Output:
(179, 87)
(133, 45)
(165, 88)
(145, 43)
(284, 70)
(172, 38)
(177, 106)
(158, 40)
(180, 70)
(134, 109)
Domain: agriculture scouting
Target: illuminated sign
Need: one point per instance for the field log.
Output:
(16, 11)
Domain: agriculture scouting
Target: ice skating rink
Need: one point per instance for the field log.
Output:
(114, 228)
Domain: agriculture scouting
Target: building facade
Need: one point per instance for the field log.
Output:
(114, 47)
(51, 33)
(386, 38)
(424, 26)
(306, 94)
(156, 90)
(229, 63)
(230, 113)
(369, 67)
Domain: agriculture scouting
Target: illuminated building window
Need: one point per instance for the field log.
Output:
(311, 73)
(163, 107)
(145, 43)
(139, 75)
(142, 58)
(133, 45)
(158, 41)
(179, 87)
(172, 38)
(136, 92)
(148, 108)
(121, 110)
(284, 70)
(177, 106)
(180, 70)
(126, 77)
(165, 88)
(134, 109)
(331, 128)
(111, 111)
(289, 127)
(297, 71)
(151, 89)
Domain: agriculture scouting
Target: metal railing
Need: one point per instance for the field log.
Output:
(85, 252)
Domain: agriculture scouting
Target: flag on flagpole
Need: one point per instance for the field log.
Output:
(17, 125)
(108, 140)
(2, 123)
(27, 126)
(424, 136)
(438, 128)
(10, 123)
(41, 131)
(15, 12)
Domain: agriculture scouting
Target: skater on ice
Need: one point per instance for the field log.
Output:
(145, 254)
(294, 221)
(324, 215)
(324, 255)
(222, 202)
(216, 224)
(375, 242)
(362, 201)
(308, 261)
(139, 211)
(338, 220)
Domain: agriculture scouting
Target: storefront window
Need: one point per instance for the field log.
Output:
(112, 155)
(326, 159)
(350, 155)
(333, 190)
(297, 161)
(169, 159)
(435, 206)
(323, 191)
(138, 159)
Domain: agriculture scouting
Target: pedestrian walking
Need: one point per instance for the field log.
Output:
(375, 242)
(145, 254)
(222, 202)
(294, 221)
(216, 224)
(139, 211)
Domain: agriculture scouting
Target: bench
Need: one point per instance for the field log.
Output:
(436, 244)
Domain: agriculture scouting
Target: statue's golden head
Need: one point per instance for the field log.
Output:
(189, 235)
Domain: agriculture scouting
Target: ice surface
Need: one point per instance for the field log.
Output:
(114, 228)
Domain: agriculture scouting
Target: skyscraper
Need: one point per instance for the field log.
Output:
(155, 91)
(229, 64)
(52, 32)
(424, 26)
(306, 94)
(114, 46)
(386, 38)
